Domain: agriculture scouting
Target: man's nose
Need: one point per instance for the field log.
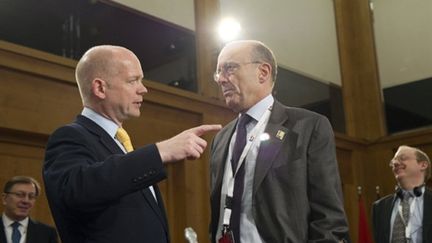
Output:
(142, 89)
(221, 79)
(395, 163)
(26, 199)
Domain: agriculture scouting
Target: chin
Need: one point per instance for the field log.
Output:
(134, 114)
(234, 106)
(21, 216)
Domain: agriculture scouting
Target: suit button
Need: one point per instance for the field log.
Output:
(145, 175)
(135, 180)
(140, 178)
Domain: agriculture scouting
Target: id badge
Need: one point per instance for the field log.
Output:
(227, 235)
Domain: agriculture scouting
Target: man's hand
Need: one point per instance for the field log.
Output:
(186, 145)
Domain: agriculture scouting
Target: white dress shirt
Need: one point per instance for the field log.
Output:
(7, 224)
(248, 229)
(415, 220)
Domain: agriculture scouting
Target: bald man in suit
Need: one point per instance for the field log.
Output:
(285, 185)
(99, 189)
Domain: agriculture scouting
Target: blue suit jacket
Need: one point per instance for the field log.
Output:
(99, 194)
(36, 233)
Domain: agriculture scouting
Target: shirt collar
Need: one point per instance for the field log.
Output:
(411, 192)
(108, 125)
(258, 110)
(8, 221)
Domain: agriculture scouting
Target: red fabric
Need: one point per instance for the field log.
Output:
(226, 239)
(364, 235)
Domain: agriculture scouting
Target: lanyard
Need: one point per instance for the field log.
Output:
(231, 178)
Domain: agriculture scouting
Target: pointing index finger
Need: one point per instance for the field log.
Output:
(200, 130)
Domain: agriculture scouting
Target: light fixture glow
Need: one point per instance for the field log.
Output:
(229, 29)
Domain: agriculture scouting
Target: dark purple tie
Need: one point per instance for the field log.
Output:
(239, 145)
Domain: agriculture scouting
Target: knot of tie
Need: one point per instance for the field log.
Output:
(15, 225)
(16, 234)
(124, 139)
(405, 206)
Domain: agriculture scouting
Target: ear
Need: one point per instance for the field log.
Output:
(4, 198)
(424, 165)
(265, 71)
(98, 88)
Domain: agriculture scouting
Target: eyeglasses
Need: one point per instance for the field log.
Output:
(23, 195)
(229, 68)
(401, 158)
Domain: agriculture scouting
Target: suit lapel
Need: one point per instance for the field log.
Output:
(112, 146)
(154, 205)
(269, 149)
(2, 231)
(221, 153)
(98, 131)
(386, 217)
(30, 237)
(427, 216)
(161, 205)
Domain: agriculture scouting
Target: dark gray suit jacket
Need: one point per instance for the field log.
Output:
(97, 193)
(37, 232)
(381, 216)
(296, 190)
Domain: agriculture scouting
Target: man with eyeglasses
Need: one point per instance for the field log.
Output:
(19, 196)
(274, 173)
(406, 215)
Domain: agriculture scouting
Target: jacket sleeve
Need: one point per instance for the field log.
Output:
(84, 175)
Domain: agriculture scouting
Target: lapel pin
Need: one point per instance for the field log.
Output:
(280, 134)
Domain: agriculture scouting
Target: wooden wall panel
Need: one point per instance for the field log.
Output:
(350, 153)
(35, 104)
(363, 106)
(207, 47)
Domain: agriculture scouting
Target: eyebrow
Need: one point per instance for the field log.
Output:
(136, 77)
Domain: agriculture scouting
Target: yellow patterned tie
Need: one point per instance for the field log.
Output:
(124, 139)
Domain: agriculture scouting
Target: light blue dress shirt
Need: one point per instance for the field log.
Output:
(415, 220)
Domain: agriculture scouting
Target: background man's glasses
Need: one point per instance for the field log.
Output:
(400, 159)
(229, 68)
(23, 195)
